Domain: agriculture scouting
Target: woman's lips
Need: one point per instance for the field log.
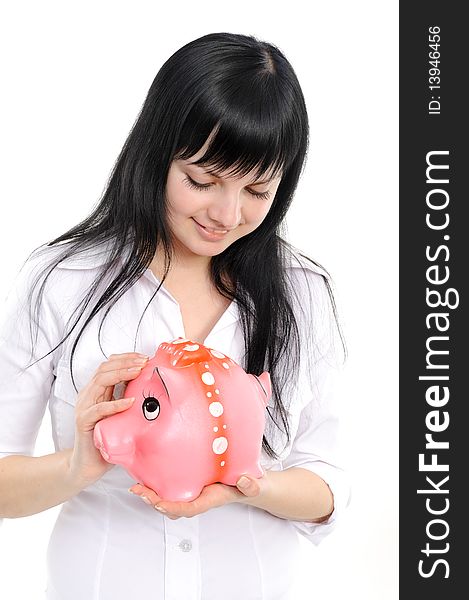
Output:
(210, 235)
(211, 229)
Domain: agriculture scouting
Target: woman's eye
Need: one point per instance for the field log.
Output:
(198, 186)
(205, 186)
(261, 195)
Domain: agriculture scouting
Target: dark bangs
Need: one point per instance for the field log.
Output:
(255, 120)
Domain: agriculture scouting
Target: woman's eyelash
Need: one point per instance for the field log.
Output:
(198, 186)
(205, 186)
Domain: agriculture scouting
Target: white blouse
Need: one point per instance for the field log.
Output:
(107, 544)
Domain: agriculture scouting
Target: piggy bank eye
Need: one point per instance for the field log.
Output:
(151, 408)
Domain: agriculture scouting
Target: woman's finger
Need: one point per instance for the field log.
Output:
(108, 394)
(87, 418)
(141, 490)
(94, 392)
(125, 356)
(134, 360)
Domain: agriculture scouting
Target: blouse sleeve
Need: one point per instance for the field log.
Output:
(24, 392)
(316, 443)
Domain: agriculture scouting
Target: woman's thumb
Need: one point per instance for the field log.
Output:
(247, 486)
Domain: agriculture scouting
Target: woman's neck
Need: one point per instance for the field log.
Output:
(191, 269)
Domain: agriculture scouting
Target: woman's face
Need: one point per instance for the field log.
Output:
(233, 206)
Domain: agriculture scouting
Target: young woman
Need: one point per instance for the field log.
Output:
(188, 241)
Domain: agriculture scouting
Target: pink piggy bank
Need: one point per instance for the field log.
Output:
(198, 418)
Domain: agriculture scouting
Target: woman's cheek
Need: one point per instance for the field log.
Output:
(185, 203)
(261, 212)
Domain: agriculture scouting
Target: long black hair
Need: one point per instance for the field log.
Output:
(246, 94)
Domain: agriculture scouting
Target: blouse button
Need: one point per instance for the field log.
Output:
(185, 545)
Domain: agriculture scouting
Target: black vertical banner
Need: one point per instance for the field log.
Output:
(434, 268)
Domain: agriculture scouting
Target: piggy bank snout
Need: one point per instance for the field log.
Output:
(113, 444)
(99, 442)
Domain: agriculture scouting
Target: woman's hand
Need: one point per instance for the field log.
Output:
(211, 496)
(94, 403)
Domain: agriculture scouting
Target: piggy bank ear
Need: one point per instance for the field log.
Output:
(264, 386)
(170, 381)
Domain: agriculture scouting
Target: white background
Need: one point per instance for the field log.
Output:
(75, 75)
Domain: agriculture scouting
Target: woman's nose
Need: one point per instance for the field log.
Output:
(225, 213)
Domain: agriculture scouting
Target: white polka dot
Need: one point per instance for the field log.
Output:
(208, 378)
(207, 367)
(191, 347)
(174, 362)
(180, 341)
(217, 391)
(216, 409)
(215, 429)
(209, 394)
(222, 464)
(225, 365)
(217, 354)
(224, 426)
(219, 445)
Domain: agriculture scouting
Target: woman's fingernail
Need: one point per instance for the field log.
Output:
(140, 361)
(243, 482)
(145, 499)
